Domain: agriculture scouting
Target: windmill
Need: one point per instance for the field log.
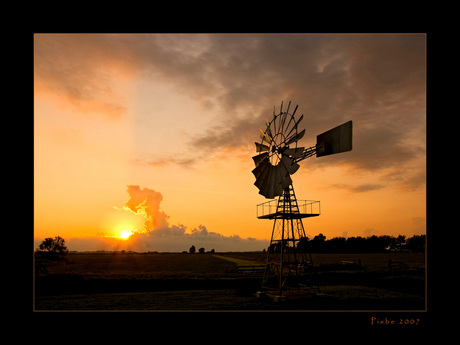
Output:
(289, 264)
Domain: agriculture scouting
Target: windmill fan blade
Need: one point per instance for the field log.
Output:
(287, 110)
(271, 183)
(290, 165)
(286, 182)
(259, 158)
(278, 190)
(264, 136)
(296, 137)
(294, 168)
(264, 184)
(268, 131)
(291, 117)
(262, 173)
(281, 172)
(261, 147)
(286, 161)
(262, 179)
(284, 179)
(294, 152)
(271, 188)
(258, 170)
(298, 121)
(295, 125)
(271, 179)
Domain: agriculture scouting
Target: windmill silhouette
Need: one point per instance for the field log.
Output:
(289, 263)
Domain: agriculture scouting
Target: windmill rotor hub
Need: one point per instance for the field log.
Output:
(276, 148)
(277, 141)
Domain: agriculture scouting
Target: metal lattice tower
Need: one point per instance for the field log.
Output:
(289, 262)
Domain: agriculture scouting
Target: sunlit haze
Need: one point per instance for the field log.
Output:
(144, 141)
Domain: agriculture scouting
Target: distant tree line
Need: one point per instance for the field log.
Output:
(55, 249)
(371, 244)
(192, 250)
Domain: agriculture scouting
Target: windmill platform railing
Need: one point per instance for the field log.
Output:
(306, 208)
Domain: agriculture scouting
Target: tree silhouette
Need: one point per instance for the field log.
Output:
(303, 246)
(400, 240)
(318, 243)
(192, 250)
(416, 243)
(53, 248)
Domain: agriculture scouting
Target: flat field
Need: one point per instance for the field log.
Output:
(152, 281)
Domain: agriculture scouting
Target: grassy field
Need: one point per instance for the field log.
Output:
(135, 281)
(141, 266)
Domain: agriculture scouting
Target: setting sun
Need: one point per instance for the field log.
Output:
(125, 234)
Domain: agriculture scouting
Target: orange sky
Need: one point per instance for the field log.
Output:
(179, 114)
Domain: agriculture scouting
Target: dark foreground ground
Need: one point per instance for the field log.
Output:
(171, 282)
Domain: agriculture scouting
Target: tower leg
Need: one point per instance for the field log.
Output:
(289, 263)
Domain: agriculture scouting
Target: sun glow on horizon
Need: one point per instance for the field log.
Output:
(125, 234)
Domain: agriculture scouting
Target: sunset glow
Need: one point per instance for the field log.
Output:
(156, 132)
(125, 234)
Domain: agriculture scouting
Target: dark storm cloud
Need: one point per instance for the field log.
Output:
(378, 81)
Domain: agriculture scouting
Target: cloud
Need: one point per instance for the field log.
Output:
(376, 80)
(176, 238)
(359, 188)
(81, 71)
(146, 202)
(369, 232)
(185, 162)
